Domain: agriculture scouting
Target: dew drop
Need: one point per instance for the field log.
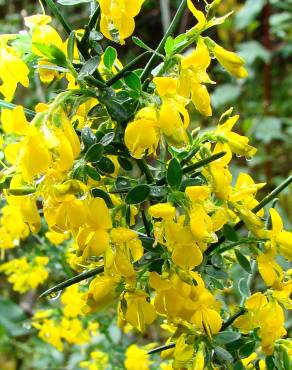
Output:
(249, 159)
(229, 284)
(238, 156)
(26, 325)
(54, 296)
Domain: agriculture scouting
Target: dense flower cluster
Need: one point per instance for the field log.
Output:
(110, 169)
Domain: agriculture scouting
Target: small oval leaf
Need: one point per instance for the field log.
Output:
(99, 193)
(174, 174)
(138, 194)
(94, 153)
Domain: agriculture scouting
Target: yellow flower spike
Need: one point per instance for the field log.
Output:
(137, 358)
(14, 121)
(200, 16)
(230, 61)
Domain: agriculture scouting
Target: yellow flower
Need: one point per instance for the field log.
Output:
(118, 16)
(14, 121)
(266, 315)
(135, 139)
(230, 61)
(270, 270)
(280, 237)
(162, 210)
(136, 358)
(237, 143)
(193, 75)
(139, 311)
(26, 275)
(198, 15)
(183, 353)
(101, 292)
(12, 69)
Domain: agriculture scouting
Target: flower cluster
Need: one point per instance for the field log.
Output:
(110, 166)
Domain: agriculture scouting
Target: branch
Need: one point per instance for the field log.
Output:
(160, 47)
(74, 280)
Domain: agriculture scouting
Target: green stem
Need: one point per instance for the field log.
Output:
(83, 50)
(189, 156)
(6, 105)
(91, 24)
(161, 348)
(203, 162)
(73, 280)
(128, 67)
(232, 319)
(160, 47)
(145, 169)
(59, 16)
(195, 166)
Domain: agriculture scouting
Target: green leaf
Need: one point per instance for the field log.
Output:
(89, 67)
(120, 106)
(122, 183)
(243, 261)
(238, 366)
(247, 349)
(73, 2)
(217, 260)
(54, 54)
(158, 191)
(70, 46)
(223, 355)
(174, 174)
(99, 193)
(216, 273)
(125, 163)
(243, 287)
(88, 138)
(109, 57)
(169, 45)
(105, 165)
(227, 337)
(92, 173)
(94, 153)
(230, 233)
(140, 43)
(107, 138)
(132, 80)
(138, 194)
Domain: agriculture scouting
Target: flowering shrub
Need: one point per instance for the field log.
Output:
(142, 203)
